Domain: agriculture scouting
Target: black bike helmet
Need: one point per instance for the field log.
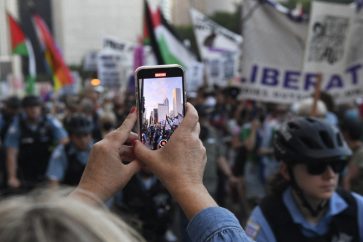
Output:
(79, 124)
(303, 140)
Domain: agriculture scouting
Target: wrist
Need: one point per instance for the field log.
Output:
(193, 199)
(85, 196)
(96, 190)
(12, 177)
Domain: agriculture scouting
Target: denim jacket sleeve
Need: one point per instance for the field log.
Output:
(216, 224)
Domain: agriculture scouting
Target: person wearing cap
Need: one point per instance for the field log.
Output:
(9, 111)
(29, 142)
(68, 161)
(305, 204)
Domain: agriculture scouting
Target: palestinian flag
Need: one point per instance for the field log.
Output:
(21, 46)
(59, 70)
(167, 46)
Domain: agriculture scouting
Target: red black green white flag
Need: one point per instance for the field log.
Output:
(21, 46)
(167, 46)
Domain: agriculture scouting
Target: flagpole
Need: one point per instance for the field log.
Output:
(6, 8)
(32, 68)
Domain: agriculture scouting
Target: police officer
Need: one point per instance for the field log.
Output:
(68, 161)
(8, 113)
(29, 143)
(147, 206)
(305, 205)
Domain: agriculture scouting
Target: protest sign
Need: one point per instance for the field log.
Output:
(283, 59)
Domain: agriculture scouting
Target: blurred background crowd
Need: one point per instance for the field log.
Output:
(46, 142)
(66, 80)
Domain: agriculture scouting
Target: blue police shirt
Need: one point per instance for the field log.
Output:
(13, 135)
(258, 228)
(1, 121)
(58, 162)
(216, 224)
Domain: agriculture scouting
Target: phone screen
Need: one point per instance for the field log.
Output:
(161, 104)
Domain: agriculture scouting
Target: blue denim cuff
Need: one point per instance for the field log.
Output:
(210, 221)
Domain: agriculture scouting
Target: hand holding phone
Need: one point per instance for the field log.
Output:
(160, 92)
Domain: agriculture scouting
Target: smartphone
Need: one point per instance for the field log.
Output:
(160, 92)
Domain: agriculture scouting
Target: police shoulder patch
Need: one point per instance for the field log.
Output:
(252, 229)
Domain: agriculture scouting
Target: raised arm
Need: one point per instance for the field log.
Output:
(180, 166)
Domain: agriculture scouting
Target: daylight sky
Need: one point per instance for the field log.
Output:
(157, 89)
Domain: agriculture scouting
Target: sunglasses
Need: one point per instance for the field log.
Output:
(318, 168)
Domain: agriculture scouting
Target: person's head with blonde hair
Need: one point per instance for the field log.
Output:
(51, 217)
(304, 108)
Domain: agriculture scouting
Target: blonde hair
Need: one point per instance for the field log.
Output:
(304, 107)
(49, 216)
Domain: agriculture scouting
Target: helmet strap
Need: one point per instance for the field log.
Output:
(314, 212)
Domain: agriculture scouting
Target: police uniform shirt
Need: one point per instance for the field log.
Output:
(58, 162)
(13, 136)
(258, 228)
(2, 123)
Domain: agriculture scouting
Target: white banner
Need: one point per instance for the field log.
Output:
(109, 68)
(220, 49)
(194, 76)
(126, 51)
(277, 68)
(327, 40)
(124, 59)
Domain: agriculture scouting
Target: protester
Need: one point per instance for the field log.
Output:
(353, 179)
(305, 205)
(54, 217)
(252, 175)
(88, 107)
(68, 161)
(330, 116)
(29, 143)
(304, 107)
(107, 122)
(179, 166)
(147, 206)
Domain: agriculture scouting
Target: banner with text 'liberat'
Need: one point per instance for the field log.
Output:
(283, 59)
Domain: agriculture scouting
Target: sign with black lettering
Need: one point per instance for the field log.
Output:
(109, 68)
(284, 58)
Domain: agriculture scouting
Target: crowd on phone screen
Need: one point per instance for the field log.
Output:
(237, 134)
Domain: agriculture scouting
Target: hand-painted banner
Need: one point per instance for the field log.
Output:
(109, 68)
(120, 56)
(283, 59)
(219, 48)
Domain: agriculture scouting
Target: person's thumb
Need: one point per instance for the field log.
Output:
(144, 154)
(133, 167)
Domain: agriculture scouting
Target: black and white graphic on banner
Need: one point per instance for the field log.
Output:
(328, 39)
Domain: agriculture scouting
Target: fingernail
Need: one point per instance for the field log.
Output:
(133, 142)
(133, 109)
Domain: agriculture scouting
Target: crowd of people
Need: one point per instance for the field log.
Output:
(264, 162)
